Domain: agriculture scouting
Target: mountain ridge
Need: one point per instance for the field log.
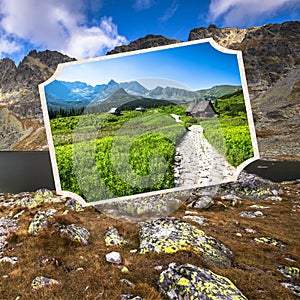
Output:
(270, 52)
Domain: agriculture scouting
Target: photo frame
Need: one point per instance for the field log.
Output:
(148, 124)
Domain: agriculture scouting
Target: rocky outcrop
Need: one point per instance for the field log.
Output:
(170, 235)
(191, 282)
(146, 42)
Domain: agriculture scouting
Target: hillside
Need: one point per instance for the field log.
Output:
(218, 91)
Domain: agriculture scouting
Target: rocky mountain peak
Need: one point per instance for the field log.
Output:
(146, 42)
(269, 52)
(50, 58)
(7, 72)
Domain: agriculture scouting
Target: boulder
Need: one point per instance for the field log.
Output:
(170, 235)
(190, 282)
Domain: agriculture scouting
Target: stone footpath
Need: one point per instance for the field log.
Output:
(198, 163)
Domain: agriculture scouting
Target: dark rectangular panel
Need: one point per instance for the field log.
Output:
(25, 171)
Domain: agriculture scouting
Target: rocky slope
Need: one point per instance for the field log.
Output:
(21, 122)
(272, 60)
(217, 245)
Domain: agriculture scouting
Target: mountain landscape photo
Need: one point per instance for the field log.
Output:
(229, 240)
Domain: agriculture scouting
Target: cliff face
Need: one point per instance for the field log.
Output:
(271, 56)
(21, 121)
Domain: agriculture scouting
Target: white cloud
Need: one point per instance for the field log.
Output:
(170, 12)
(244, 12)
(7, 46)
(143, 4)
(56, 25)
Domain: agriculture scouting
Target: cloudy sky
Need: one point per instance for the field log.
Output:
(89, 28)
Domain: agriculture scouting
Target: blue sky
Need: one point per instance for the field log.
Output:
(192, 66)
(89, 28)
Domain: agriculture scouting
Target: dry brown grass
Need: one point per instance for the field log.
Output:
(253, 271)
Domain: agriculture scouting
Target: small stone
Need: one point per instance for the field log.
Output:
(203, 202)
(158, 268)
(130, 297)
(41, 281)
(289, 272)
(250, 230)
(292, 287)
(133, 251)
(127, 282)
(274, 198)
(269, 241)
(113, 238)
(255, 206)
(74, 205)
(44, 261)
(79, 269)
(238, 234)
(124, 269)
(252, 215)
(113, 257)
(12, 260)
(196, 219)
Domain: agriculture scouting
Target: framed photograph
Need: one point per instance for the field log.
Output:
(151, 123)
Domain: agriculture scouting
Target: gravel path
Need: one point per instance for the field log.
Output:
(198, 163)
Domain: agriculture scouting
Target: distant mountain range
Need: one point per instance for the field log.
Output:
(67, 95)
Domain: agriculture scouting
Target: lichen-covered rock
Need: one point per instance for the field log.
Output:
(113, 238)
(41, 196)
(197, 219)
(12, 260)
(74, 233)
(251, 215)
(127, 282)
(44, 261)
(289, 272)
(7, 224)
(170, 235)
(41, 281)
(269, 241)
(40, 220)
(190, 282)
(73, 204)
(295, 289)
(251, 186)
(202, 202)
